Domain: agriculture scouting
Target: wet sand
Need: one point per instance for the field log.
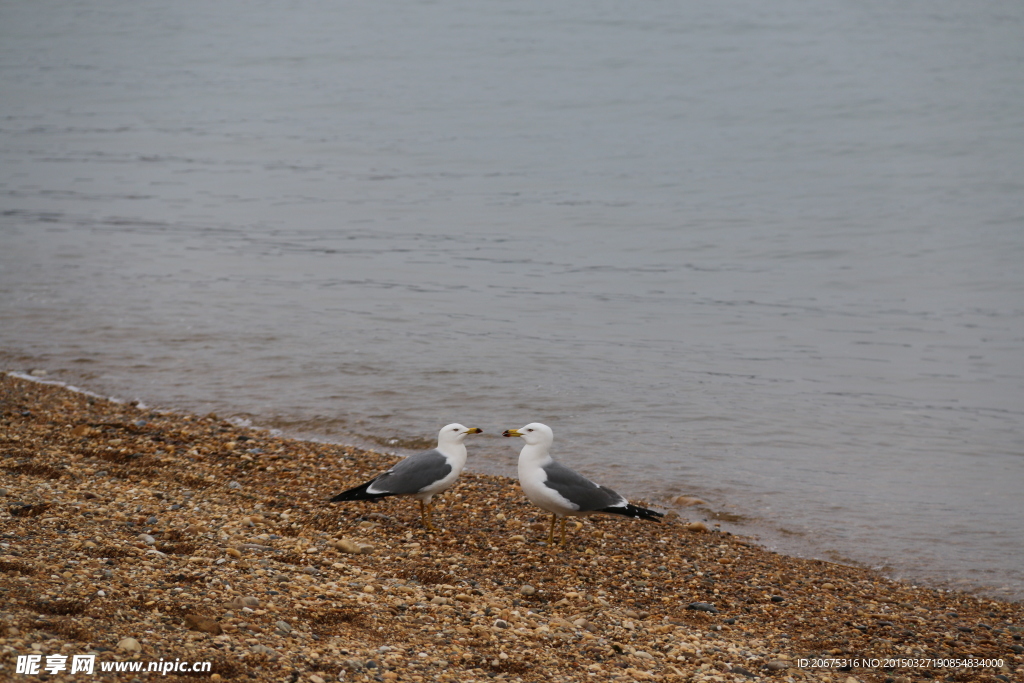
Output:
(141, 535)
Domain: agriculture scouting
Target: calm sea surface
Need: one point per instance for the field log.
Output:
(767, 254)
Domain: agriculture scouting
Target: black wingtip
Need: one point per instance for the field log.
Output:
(356, 493)
(636, 511)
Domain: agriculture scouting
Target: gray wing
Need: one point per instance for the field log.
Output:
(579, 490)
(413, 474)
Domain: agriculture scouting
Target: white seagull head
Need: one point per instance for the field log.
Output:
(454, 434)
(534, 434)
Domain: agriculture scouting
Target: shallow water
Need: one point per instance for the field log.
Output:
(765, 256)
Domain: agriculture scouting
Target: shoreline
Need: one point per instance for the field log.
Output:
(764, 531)
(207, 541)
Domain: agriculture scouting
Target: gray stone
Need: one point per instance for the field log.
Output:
(264, 650)
(703, 607)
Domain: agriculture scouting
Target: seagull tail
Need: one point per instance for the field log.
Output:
(630, 510)
(357, 493)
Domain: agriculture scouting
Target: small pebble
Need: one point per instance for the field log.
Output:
(347, 546)
(195, 622)
(527, 589)
(703, 607)
(129, 645)
(261, 649)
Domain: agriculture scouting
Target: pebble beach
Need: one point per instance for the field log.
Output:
(142, 535)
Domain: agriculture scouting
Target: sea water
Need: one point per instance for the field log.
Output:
(765, 255)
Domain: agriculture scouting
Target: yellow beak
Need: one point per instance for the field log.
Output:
(511, 432)
(474, 430)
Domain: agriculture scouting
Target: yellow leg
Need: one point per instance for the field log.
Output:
(563, 531)
(551, 535)
(425, 515)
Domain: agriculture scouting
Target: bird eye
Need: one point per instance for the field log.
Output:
(455, 429)
(529, 430)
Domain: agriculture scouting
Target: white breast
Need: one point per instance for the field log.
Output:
(531, 479)
(456, 454)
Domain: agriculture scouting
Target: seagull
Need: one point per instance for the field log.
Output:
(561, 491)
(422, 475)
